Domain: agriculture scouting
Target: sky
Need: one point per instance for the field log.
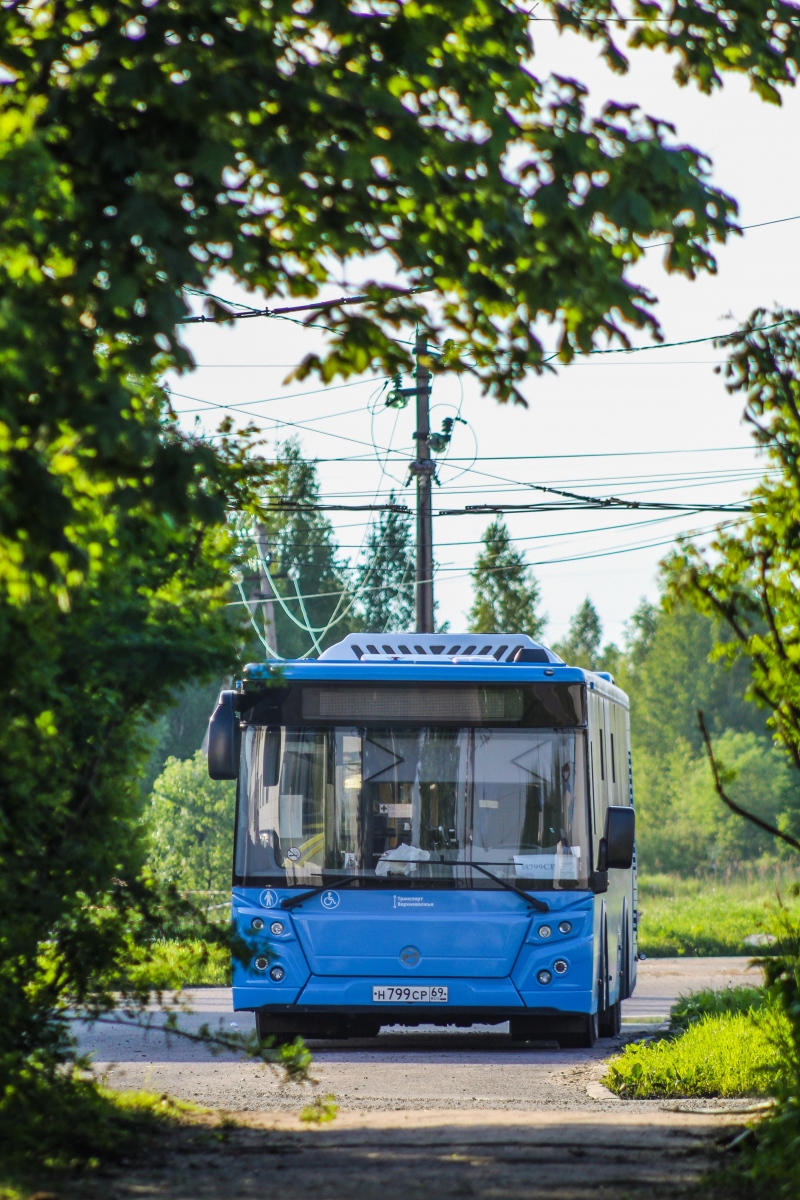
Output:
(655, 425)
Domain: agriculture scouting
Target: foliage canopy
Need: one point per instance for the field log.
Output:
(191, 826)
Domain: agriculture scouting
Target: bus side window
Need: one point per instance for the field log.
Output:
(272, 757)
(613, 764)
(592, 795)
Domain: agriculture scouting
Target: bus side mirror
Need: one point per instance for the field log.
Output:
(224, 738)
(619, 837)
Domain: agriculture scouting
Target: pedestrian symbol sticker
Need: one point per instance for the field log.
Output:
(269, 899)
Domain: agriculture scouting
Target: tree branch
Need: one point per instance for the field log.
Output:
(740, 812)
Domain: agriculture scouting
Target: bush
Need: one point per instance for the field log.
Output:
(71, 1123)
(172, 963)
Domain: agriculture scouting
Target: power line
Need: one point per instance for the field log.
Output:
(758, 225)
(244, 310)
(610, 503)
(546, 457)
(544, 562)
(575, 503)
(336, 387)
(535, 537)
(290, 506)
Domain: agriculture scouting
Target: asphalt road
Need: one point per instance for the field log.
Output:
(400, 1070)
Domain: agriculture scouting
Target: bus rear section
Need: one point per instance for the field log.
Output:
(417, 843)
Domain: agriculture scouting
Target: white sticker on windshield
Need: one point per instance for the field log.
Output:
(293, 854)
(396, 810)
(547, 866)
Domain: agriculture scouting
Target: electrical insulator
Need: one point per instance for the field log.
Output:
(397, 397)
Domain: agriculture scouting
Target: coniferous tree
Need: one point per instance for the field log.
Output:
(505, 591)
(303, 559)
(385, 578)
(581, 646)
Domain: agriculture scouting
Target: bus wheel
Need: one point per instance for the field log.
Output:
(265, 1028)
(584, 1040)
(610, 1020)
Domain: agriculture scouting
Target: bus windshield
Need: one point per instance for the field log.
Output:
(413, 806)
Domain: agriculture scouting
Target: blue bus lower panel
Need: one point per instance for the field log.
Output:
(492, 953)
(327, 993)
(480, 995)
(462, 993)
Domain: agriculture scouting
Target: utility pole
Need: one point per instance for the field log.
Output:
(424, 469)
(265, 592)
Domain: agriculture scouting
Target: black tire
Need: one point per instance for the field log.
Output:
(609, 1021)
(584, 1040)
(625, 974)
(602, 966)
(363, 1027)
(265, 1028)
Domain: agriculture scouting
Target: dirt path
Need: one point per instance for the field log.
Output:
(426, 1112)
(531, 1156)
(402, 1069)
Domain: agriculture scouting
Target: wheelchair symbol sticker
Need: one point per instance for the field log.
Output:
(330, 900)
(268, 899)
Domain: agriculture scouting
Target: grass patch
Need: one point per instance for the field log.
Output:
(712, 1002)
(69, 1123)
(735, 1054)
(191, 963)
(707, 915)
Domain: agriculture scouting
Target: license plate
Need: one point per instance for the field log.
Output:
(397, 994)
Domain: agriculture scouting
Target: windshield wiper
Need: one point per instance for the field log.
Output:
(535, 903)
(293, 901)
(290, 902)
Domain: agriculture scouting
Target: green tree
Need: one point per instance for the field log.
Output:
(385, 576)
(747, 585)
(144, 150)
(675, 673)
(681, 825)
(180, 731)
(190, 818)
(668, 669)
(506, 593)
(303, 559)
(581, 646)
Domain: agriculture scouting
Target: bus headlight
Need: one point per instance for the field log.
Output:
(565, 926)
(560, 966)
(277, 974)
(544, 976)
(261, 963)
(545, 931)
(257, 924)
(277, 928)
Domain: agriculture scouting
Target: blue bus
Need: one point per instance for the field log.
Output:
(431, 829)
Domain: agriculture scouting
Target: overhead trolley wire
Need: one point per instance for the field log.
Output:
(543, 562)
(544, 457)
